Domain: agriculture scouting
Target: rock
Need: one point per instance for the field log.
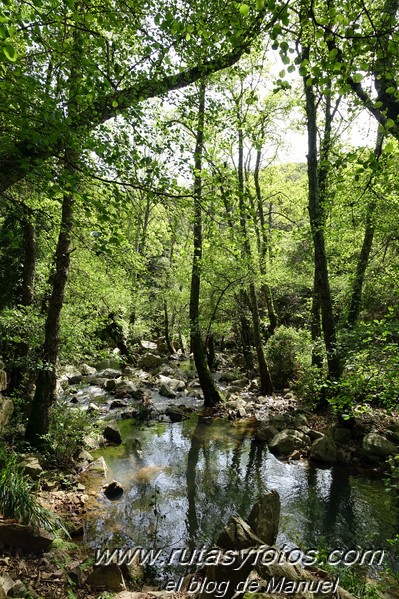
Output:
(237, 534)
(324, 450)
(124, 388)
(3, 379)
(118, 403)
(151, 361)
(166, 391)
(229, 376)
(6, 584)
(264, 518)
(25, 537)
(287, 441)
(75, 379)
(93, 408)
(109, 577)
(133, 570)
(6, 409)
(375, 445)
(299, 420)
(344, 456)
(99, 467)
(87, 370)
(296, 455)
(240, 383)
(31, 466)
(265, 432)
(173, 383)
(393, 436)
(110, 384)
(342, 435)
(175, 413)
(313, 434)
(18, 590)
(133, 595)
(149, 345)
(113, 490)
(110, 373)
(112, 432)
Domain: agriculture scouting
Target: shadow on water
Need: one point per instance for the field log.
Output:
(183, 481)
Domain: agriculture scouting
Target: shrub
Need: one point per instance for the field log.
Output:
(65, 439)
(17, 499)
(287, 353)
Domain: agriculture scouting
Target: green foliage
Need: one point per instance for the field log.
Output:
(17, 499)
(65, 439)
(287, 352)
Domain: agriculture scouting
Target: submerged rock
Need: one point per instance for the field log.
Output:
(114, 490)
(112, 432)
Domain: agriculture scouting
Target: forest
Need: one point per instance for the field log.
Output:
(198, 200)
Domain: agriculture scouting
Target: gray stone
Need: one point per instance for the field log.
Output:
(344, 456)
(237, 534)
(148, 345)
(110, 373)
(264, 518)
(393, 436)
(378, 446)
(324, 450)
(175, 413)
(240, 383)
(118, 403)
(110, 577)
(112, 433)
(166, 391)
(87, 370)
(110, 384)
(265, 432)
(75, 379)
(342, 435)
(6, 584)
(313, 434)
(150, 360)
(31, 466)
(173, 383)
(287, 441)
(6, 410)
(25, 537)
(99, 467)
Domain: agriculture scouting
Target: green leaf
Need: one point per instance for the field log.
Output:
(357, 77)
(260, 4)
(10, 52)
(115, 104)
(244, 9)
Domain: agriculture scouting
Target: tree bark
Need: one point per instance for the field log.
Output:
(45, 393)
(322, 284)
(208, 386)
(364, 256)
(266, 386)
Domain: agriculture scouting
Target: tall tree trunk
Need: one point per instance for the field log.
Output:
(266, 386)
(45, 393)
(264, 244)
(364, 256)
(209, 389)
(315, 326)
(19, 378)
(322, 284)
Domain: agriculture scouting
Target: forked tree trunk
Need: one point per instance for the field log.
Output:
(208, 386)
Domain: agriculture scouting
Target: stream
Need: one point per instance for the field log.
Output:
(183, 481)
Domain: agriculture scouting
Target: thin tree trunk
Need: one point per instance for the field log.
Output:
(322, 284)
(364, 256)
(267, 292)
(266, 386)
(211, 394)
(45, 393)
(315, 327)
(166, 328)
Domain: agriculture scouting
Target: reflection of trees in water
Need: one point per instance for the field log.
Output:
(223, 482)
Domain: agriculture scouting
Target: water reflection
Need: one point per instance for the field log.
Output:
(188, 478)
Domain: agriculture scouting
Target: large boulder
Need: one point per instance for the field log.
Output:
(287, 441)
(109, 577)
(112, 433)
(264, 518)
(166, 391)
(25, 537)
(375, 445)
(324, 450)
(113, 490)
(150, 360)
(173, 383)
(87, 370)
(237, 534)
